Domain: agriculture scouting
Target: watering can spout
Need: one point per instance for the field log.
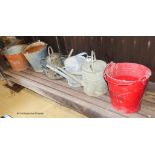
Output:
(71, 76)
(65, 74)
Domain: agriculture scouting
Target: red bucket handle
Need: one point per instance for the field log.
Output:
(104, 73)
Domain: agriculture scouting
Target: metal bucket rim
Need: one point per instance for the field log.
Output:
(33, 44)
(127, 81)
(7, 51)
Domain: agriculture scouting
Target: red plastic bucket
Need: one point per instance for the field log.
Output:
(127, 83)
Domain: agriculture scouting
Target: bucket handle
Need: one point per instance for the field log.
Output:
(36, 42)
(50, 51)
(107, 67)
(104, 73)
(29, 44)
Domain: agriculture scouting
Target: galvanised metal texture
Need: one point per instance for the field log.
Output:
(35, 58)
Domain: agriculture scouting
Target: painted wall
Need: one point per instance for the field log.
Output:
(138, 49)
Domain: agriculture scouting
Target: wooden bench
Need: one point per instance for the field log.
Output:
(75, 98)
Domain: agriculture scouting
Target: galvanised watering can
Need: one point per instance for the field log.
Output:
(92, 76)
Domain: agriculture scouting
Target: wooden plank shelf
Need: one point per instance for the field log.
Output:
(75, 98)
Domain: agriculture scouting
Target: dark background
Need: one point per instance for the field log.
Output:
(137, 49)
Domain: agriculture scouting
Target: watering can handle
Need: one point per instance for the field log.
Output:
(93, 55)
(93, 58)
(70, 53)
(50, 51)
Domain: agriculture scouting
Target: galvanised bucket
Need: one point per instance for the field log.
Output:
(34, 53)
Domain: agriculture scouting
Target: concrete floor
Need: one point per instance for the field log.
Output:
(28, 104)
